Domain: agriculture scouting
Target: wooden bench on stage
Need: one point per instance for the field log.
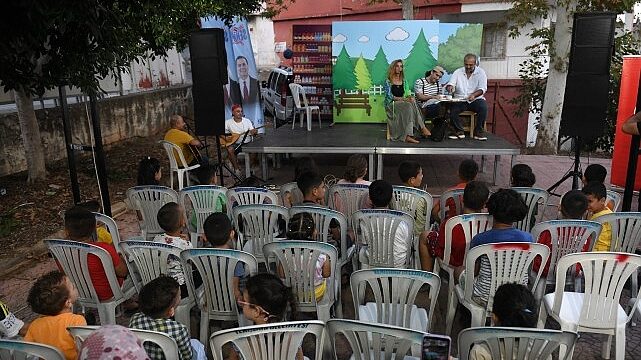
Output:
(353, 101)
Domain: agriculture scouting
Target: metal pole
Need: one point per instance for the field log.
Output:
(100, 155)
(577, 163)
(71, 155)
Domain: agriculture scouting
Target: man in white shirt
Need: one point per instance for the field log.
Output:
(469, 83)
(427, 91)
(240, 128)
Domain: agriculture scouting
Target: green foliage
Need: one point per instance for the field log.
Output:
(419, 60)
(343, 71)
(467, 39)
(379, 67)
(363, 79)
(48, 43)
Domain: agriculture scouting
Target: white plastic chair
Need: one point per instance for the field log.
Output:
(378, 228)
(456, 195)
(147, 200)
(615, 198)
(566, 237)
(409, 200)
(279, 341)
(369, 341)
(216, 268)
(395, 292)
(295, 195)
(536, 201)
(72, 257)
(112, 228)
(248, 195)
(347, 198)
(515, 343)
(472, 225)
(259, 226)
(509, 263)
(297, 92)
(179, 166)
(165, 342)
(151, 261)
(597, 309)
(22, 350)
(298, 260)
(199, 202)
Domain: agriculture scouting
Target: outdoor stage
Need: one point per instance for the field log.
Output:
(370, 140)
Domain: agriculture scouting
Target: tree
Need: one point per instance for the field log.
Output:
(419, 60)
(343, 73)
(466, 39)
(50, 43)
(407, 7)
(363, 79)
(523, 13)
(379, 67)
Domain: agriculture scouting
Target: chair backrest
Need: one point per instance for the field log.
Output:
(295, 195)
(566, 237)
(150, 259)
(260, 225)
(298, 259)
(279, 341)
(347, 198)
(626, 230)
(615, 198)
(175, 155)
(373, 341)
(148, 200)
(515, 343)
(510, 262)
(605, 275)
(73, 258)
(472, 225)
(112, 228)
(410, 199)
(165, 342)
(378, 229)
(296, 92)
(536, 201)
(216, 268)
(395, 292)
(248, 195)
(322, 220)
(454, 196)
(22, 350)
(199, 202)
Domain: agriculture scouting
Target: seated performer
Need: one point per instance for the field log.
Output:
(177, 135)
(427, 91)
(244, 130)
(470, 83)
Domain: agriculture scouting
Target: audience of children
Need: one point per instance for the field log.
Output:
(149, 171)
(111, 342)
(594, 172)
(467, 171)
(411, 175)
(522, 176)
(432, 245)
(355, 171)
(303, 165)
(313, 187)
(52, 297)
(158, 301)
(596, 194)
(102, 235)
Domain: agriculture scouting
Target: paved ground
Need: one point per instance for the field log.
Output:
(439, 174)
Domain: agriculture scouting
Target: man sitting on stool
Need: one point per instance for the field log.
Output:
(238, 125)
(470, 83)
(427, 91)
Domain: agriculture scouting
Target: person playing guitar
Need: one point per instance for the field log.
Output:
(239, 130)
(187, 143)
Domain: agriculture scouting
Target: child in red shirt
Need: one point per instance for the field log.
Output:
(467, 171)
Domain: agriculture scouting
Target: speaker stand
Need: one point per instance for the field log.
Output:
(575, 174)
(223, 166)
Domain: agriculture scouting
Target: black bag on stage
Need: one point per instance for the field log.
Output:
(439, 129)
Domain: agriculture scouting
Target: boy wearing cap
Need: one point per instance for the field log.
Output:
(427, 91)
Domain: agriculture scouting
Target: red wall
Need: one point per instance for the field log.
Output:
(501, 113)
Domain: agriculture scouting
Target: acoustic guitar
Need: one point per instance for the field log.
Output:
(230, 139)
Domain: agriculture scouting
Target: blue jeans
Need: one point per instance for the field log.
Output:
(479, 106)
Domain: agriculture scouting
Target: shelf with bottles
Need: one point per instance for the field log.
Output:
(312, 59)
(312, 79)
(317, 36)
(312, 48)
(317, 90)
(312, 69)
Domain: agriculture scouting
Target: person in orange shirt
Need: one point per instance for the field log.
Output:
(52, 296)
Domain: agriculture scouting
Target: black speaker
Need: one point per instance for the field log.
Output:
(209, 74)
(586, 92)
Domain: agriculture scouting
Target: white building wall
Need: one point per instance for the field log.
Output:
(262, 37)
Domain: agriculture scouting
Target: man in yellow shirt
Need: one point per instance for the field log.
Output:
(177, 135)
(596, 194)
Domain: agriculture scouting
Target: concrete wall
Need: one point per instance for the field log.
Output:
(121, 118)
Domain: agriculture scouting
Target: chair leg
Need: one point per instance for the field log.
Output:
(543, 316)
(107, 314)
(451, 311)
(181, 175)
(171, 179)
(605, 348)
(204, 328)
(308, 115)
(620, 342)
(478, 317)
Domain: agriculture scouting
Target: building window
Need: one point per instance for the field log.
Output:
(493, 42)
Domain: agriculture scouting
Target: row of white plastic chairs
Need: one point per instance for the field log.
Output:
(365, 341)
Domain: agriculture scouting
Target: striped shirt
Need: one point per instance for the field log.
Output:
(424, 87)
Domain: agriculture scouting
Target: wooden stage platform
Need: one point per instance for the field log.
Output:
(370, 140)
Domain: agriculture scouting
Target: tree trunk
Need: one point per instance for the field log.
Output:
(408, 10)
(30, 133)
(548, 135)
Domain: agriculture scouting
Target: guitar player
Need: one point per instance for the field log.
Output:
(177, 135)
(243, 130)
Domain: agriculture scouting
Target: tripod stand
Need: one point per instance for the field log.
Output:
(222, 166)
(575, 174)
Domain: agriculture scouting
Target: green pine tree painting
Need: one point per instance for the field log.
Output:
(379, 67)
(363, 79)
(467, 39)
(419, 60)
(343, 72)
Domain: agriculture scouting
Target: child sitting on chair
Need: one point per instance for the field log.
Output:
(52, 296)
(102, 234)
(596, 194)
(467, 171)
